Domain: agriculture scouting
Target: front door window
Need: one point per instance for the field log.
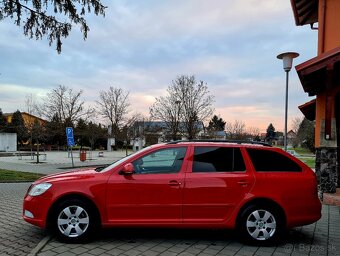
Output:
(162, 161)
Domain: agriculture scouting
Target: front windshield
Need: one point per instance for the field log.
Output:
(113, 165)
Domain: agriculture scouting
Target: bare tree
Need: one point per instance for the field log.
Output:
(130, 131)
(236, 130)
(187, 101)
(254, 132)
(32, 109)
(31, 104)
(39, 20)
(167, 109)
(38, 135)
(296, 122)
(114, 105)
(136, 125)
(196, 102)
(66, 104)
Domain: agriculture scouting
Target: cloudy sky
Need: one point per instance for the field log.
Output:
(141, 46)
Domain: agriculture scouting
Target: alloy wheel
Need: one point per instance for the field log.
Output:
(73, 221)
(261, 225)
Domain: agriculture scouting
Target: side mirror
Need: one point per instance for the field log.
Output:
(128, 169)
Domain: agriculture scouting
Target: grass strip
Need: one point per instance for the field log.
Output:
(7, 175)
(310, 162)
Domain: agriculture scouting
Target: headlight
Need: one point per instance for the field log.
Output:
(39, 189)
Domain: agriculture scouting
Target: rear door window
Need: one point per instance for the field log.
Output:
(218, 159)
(271, 161)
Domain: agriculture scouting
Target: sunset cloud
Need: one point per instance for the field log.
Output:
(141, 46)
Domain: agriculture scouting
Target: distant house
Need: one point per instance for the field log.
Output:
(276, 139)
(291, 136)
(263, 136)
(153, 132)
(28, 119)
(214, 135)
(219, 135)
(8, 141)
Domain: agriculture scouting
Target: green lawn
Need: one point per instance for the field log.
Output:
(6, 175)
(309, 161)
(305, 155)
(303, 151)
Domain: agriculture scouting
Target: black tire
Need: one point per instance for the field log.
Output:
(261, 225)
(74, 221)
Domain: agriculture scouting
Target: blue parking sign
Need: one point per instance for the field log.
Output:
(70, 142)
(69, 136)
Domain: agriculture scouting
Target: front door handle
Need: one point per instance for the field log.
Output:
(243, 183)
(173, 183)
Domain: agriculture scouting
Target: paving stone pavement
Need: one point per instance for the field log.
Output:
(321, 238)
(57, 161)
(19, 238)
(16, 236)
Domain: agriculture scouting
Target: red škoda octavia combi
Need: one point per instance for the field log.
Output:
(259, 190)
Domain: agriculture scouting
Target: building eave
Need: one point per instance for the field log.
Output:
(313, 73)
(305, 11)
(309, 109)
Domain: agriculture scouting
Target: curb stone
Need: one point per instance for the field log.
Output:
(40, 246)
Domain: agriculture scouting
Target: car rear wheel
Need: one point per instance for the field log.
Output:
(260, 224)
(74, 221)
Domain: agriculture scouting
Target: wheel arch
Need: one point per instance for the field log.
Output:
(262, 202)
(73, 196)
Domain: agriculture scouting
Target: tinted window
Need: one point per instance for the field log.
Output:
(218, 159)
(162, 161)
(271, 161)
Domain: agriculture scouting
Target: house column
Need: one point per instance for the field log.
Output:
(326, 164)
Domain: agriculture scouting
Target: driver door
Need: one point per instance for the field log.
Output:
(153, 193)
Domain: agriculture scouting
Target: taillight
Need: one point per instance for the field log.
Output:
(315, 186)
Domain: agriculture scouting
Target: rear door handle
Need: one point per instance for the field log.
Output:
(173, 183)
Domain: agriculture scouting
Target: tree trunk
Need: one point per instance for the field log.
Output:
(37, 151)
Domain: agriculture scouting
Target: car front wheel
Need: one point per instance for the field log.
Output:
(74, 221)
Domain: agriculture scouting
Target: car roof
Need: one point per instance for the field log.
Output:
(238, 143)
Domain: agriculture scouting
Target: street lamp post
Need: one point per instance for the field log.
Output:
(287, 58)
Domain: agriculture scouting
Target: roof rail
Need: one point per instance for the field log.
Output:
(223, 141)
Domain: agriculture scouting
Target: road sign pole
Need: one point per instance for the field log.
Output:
(70, 140)
(72, 156)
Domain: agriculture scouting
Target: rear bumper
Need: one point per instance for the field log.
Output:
(305, 215)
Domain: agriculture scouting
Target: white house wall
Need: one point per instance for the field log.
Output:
(8, 142)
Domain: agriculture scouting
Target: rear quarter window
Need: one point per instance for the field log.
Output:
(272, 161)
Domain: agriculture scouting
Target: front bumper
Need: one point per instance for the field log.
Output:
(35, 210)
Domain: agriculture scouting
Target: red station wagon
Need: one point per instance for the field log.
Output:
(259, 190)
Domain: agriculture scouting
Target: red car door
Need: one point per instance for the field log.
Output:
(216, 182)
(153, 193)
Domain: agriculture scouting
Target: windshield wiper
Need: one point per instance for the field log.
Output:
(100, 168)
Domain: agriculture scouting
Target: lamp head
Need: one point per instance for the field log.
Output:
(287, 58)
